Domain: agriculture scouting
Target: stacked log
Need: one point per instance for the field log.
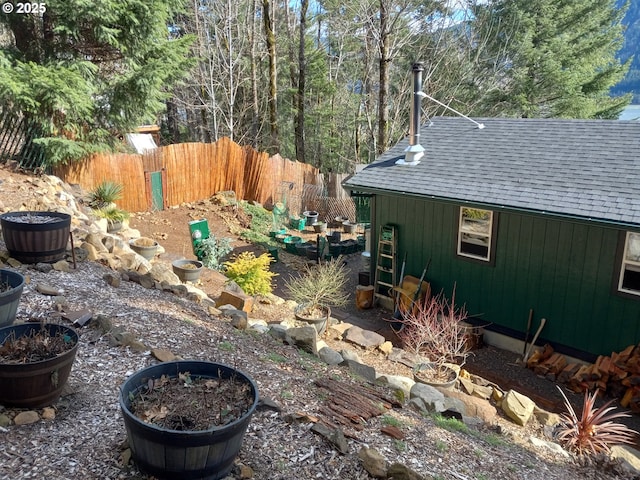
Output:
(617, 375)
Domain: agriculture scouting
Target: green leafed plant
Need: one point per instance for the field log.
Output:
(111, 213)
(105, 194)
(211, 251)
(595, 431)
(320, 286)
(251, 273)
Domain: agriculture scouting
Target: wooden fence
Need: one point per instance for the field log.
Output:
(194, 171)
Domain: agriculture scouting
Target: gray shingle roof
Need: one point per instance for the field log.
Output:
(584, 168)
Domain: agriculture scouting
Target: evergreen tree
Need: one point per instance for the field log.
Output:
(86, 72)
(559, 57)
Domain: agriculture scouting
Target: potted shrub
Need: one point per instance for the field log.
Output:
(435, 330)
(102, 201)
(11, 286)
(187, 419)
(35, 362)
(187, 270)
(316, 290)
(114, 216)
(36, 236)
(147, 247)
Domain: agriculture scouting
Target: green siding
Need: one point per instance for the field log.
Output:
(562, 269)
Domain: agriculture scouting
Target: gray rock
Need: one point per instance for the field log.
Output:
(330, 356)
(336, 437)
(112, 278)
(43, 267)
(304, 338)
(278, 332)
(349, 355)
(553, 447)
(433, 398)
(628, 455)
(365, 371)
(46, 289)
(518, 407)
(397, 382)
(363, 338)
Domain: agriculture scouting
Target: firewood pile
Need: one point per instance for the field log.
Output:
(617, 375)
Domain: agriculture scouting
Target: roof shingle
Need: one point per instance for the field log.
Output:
(584, 168)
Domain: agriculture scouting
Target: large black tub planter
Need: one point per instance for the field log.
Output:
(33, 237)
(37, 383)
(184, 454)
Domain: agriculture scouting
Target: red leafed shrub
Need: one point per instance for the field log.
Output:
(595, 431)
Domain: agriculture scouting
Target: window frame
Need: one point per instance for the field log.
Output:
(623, 262)
(490, 235)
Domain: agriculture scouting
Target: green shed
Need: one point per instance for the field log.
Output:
(520, 215)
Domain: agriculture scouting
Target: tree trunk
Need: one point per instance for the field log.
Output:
(255, 107)
(299, 130)
(273, 86)
(383, 107)
(172, 122)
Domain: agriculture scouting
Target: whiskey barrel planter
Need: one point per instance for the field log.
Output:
(184, 454)
(11, 286)
(40, 383)
(33, 237)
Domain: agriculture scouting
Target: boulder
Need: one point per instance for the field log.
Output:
(518, 407)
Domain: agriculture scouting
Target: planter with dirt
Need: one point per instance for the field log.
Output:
(187, 419)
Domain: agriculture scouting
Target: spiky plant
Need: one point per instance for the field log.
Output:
(105, 194)
(595, 431)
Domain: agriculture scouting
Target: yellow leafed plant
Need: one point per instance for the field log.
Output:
(251, 273)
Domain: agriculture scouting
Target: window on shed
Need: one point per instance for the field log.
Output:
(475, 232)
(630, 272)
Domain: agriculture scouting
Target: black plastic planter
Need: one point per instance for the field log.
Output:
(186, 454)
(33, 237)
(9, 299)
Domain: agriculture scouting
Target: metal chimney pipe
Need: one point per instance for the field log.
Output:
(414, 126)
(414, 152)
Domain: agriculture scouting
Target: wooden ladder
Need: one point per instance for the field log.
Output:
(386, 260)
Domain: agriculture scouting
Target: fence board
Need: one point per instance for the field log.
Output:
(195, 171)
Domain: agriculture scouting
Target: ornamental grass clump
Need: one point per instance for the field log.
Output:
(595, 431)
(251, 273)
(319, 286)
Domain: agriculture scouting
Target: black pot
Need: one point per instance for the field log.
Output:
(187, 454)
(36, 384)
(36, 240)
(10, 299)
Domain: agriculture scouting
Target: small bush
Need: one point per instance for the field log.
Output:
(250, 273)
(212, 250)
(105, 194)
(595, 431)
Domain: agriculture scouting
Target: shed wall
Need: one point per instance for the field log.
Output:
(561, 269)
